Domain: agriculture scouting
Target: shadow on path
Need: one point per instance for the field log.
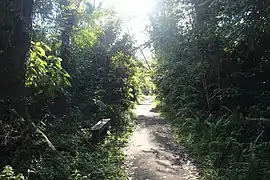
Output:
(152, 153)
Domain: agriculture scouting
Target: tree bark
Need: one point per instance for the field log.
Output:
(15, 31)
(16, 25)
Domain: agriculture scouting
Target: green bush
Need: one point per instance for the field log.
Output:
(212, 83)
(9, 174)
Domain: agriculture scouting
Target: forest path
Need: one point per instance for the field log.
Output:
(151, 153)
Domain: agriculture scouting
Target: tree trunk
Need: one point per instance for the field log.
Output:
(15, 29)
(16, 25)
(69, 21)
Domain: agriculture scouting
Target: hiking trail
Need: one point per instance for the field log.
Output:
(152, 153)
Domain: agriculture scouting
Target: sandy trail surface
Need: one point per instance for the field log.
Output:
(152, 154)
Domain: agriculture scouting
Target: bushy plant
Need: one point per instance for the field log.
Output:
(80, 68)
(211, 81)
(9, 174)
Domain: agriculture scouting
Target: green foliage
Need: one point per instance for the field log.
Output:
(79, 159)
(8, 174)
(212, 82)
(81, 68)
(44, 70)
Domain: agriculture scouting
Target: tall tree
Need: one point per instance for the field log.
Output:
(213, 80)
(69, 13)
(16, 25)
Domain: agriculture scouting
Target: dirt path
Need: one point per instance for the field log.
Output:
(151, 154)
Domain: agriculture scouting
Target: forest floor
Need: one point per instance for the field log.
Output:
(152, 153)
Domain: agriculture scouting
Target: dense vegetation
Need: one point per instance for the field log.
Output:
(64, 65)
(212, 79)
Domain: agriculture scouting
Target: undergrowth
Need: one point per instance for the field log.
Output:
(212, 78)
(77, 158)
(223, 149)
